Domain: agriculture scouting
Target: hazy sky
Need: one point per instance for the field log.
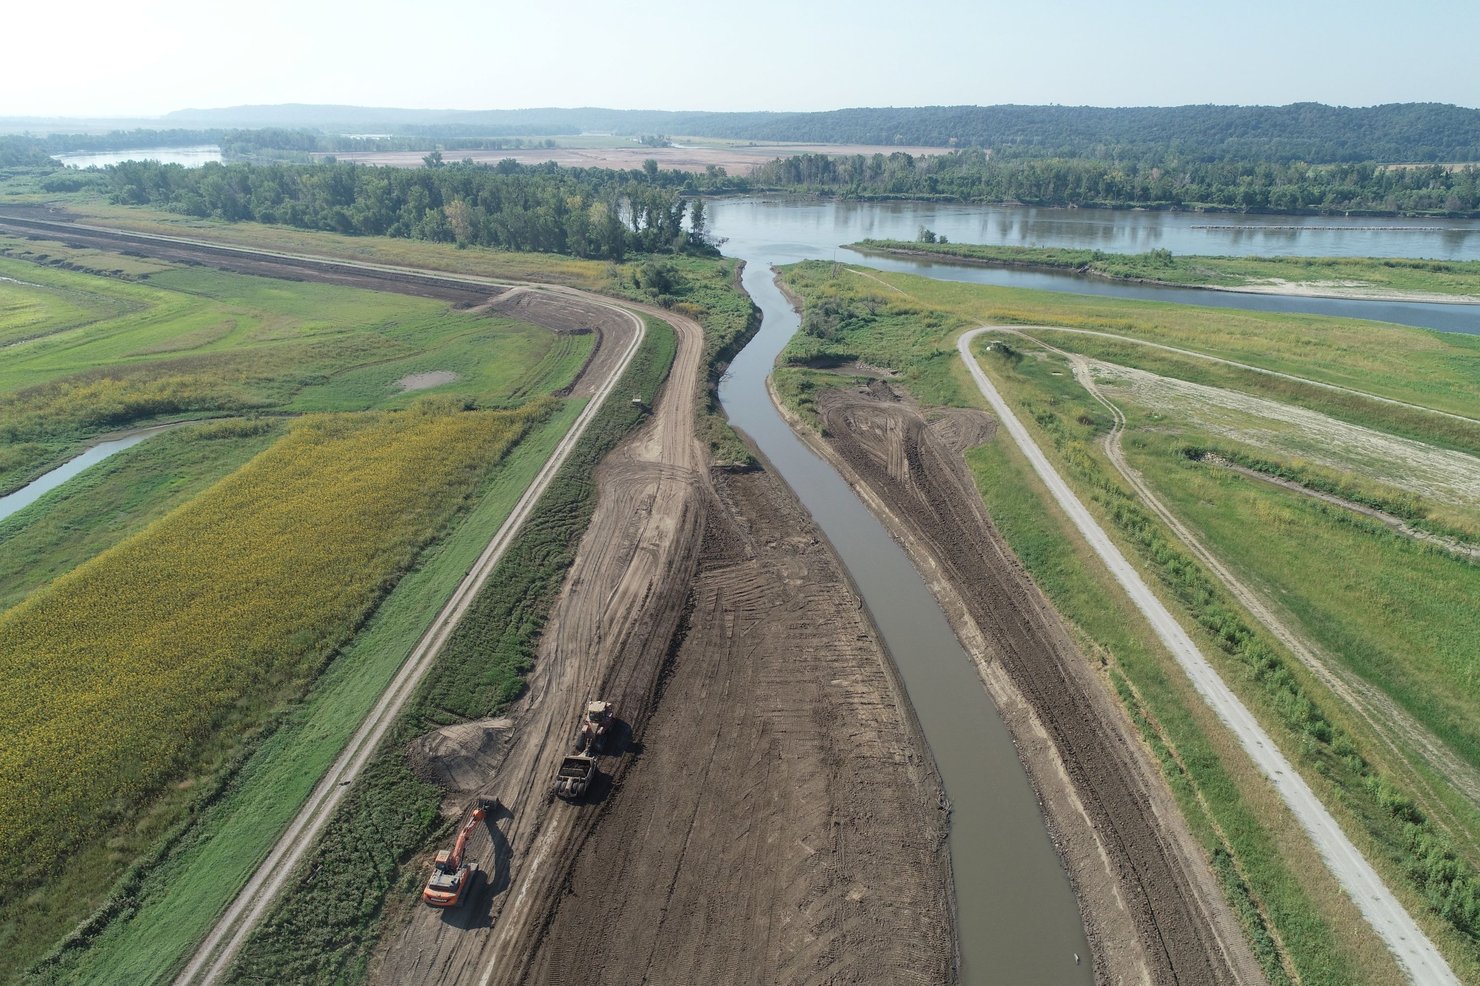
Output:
(146, 57)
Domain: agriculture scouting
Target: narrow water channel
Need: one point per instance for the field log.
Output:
(41, 485)
(1017, 918)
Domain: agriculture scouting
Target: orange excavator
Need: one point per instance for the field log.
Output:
(451, 875)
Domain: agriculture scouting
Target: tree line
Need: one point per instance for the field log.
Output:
(1245, 186)
(1393, 133)
(582, 212)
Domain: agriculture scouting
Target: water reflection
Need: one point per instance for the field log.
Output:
(757, 219)
(788, 230)
(190, 157)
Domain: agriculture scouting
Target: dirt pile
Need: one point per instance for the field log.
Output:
(461, 758)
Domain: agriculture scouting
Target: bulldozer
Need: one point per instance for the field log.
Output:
(451, 873)
(595, 724)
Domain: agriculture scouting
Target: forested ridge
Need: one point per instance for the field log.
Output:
(1309, 132)
(1312, 132)
(583, 212)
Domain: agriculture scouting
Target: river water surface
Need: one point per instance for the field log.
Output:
(1017, 919)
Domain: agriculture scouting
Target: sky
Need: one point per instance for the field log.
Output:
(101, 58)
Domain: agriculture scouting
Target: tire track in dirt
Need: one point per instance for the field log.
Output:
(1151, 906)
(608, 636)
(1402, 935)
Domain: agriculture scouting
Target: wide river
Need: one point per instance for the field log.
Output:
(1017, 920)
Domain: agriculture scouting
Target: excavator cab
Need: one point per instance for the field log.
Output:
(451, 875)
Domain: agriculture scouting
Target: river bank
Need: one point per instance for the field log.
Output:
(1350, 280)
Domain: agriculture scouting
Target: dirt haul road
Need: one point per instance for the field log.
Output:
(608, 636)
(1152, 909)
(1413, 949)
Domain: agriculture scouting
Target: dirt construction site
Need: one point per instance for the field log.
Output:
(753, 704)
(765, 809)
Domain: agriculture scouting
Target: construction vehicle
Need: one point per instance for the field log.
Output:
(451, 873)
(595, 725)
(574, 776)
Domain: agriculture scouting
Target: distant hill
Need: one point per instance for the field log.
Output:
(1299, 132)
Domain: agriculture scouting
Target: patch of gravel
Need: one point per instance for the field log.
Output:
(422, 381)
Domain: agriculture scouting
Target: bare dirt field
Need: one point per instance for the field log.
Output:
(736, 159)
(781, 824)
(1151, 905)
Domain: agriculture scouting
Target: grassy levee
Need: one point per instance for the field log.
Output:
(1355, 275)
(859, 318)
(119, 496)
(1430, 369)
(193, 342)
(164, 904)
(324, 926)
(1408, 422)
(1293, 913)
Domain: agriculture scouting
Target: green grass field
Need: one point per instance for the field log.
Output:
(907, 324)
(118, 496)
(104, 354)
(1431, 369)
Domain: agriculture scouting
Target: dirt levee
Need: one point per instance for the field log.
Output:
(608, 636)
(246, 262)
(1150, 903)
(782, 823)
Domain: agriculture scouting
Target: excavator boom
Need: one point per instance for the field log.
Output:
(450, 875)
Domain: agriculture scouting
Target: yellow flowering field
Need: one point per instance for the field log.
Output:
(114, 676)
